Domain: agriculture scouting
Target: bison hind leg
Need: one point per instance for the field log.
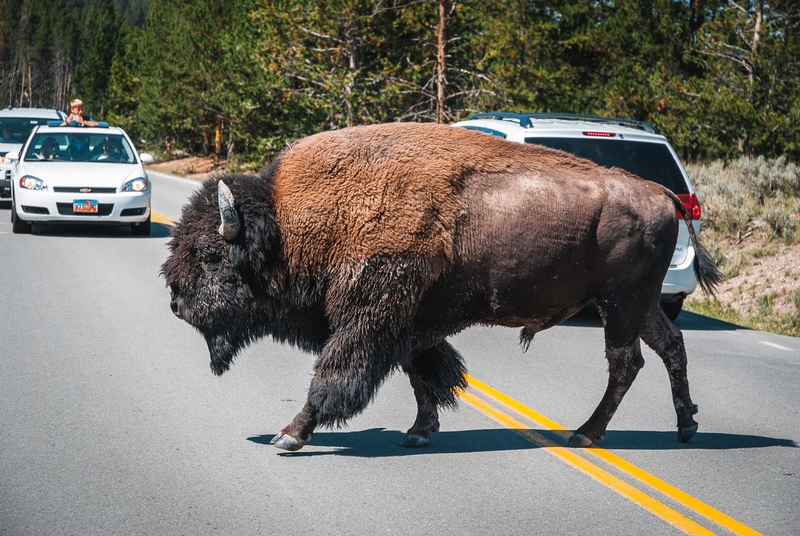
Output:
(667, 341)
(437, 374)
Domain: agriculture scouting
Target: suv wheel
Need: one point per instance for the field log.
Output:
(673, 309)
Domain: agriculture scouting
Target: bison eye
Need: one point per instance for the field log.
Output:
(174, 288)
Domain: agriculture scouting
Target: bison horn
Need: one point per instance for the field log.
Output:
(230, 225)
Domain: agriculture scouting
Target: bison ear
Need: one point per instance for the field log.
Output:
(230, 226)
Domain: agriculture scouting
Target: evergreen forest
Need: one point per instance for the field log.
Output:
(242, 78)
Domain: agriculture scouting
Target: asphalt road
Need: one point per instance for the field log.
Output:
(112, 423)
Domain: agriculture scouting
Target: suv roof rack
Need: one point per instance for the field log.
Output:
(524, 119)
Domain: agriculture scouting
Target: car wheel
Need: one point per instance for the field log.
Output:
(141, 229)
(673, 309)
(18, 225)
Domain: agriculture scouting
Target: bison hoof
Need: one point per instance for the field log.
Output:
(578, 440)
(414, 441)
(685, 433)
(287, 442)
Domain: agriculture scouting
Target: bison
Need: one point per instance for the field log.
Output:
(369, 246)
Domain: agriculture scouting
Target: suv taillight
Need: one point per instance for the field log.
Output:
(692, 205)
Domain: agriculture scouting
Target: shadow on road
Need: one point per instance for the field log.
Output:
(97, 231)
(379, 442)
(588, 317)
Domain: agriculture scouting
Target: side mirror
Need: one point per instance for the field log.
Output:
(12, 156)
(146, 158)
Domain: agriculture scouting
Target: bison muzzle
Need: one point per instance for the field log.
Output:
(369, 246)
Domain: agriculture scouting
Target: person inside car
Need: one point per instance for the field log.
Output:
(108, 151)
(49, 150)
(77, 117)
(78, 150)
(8, 135)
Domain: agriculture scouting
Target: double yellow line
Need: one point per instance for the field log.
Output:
(494, 404)
(161, 219)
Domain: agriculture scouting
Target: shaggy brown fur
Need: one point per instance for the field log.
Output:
(370, 245)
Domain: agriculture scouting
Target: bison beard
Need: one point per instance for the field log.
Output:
(370, 245)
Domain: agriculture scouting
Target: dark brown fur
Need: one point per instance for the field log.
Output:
(369, 246)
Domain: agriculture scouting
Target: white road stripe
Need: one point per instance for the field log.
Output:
(778, 346)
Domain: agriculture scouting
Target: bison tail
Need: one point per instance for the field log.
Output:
(708, 275)
(706, 271)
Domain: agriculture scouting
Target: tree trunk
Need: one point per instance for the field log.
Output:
(30, 87)
(441, 66)
(352, 53)
(759, 8)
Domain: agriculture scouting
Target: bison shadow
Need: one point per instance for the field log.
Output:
(383, 443)
(589, 317)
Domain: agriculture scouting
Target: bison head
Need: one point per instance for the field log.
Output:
(221, 269)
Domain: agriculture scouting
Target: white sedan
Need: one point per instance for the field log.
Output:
(80, 175)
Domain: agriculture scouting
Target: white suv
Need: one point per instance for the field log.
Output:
(16, 125)
(634, 146)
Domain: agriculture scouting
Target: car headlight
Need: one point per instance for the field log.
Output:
(4, 160)
(32, 183)
(136, 185)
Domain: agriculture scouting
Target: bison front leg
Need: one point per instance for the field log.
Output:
(370, 308)
(437, 374)
(347, 375)
(667, 341)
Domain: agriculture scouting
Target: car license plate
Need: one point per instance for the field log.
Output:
(84, 206)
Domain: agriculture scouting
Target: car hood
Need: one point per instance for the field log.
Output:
(83, 174)
(8, 147)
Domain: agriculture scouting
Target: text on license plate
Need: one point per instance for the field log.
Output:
(84, 206)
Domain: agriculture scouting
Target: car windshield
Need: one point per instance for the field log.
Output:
(651, 161)
(17, 129)
(79, 147)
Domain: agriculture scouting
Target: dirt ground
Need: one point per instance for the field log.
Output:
(195, 167)
(775, 277)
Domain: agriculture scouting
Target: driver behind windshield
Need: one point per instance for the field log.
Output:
(49, 150)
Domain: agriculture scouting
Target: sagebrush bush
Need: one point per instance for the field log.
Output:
(743, 194)
(780, 224)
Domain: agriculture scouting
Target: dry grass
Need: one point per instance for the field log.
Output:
(751, 224)
(193, 167)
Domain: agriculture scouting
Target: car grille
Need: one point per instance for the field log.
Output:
(83, 190)
(103, 209)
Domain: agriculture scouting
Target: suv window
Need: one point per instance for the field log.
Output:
(651, 161)
(17, 129)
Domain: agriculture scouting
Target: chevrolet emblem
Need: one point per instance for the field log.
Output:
(85, 190)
